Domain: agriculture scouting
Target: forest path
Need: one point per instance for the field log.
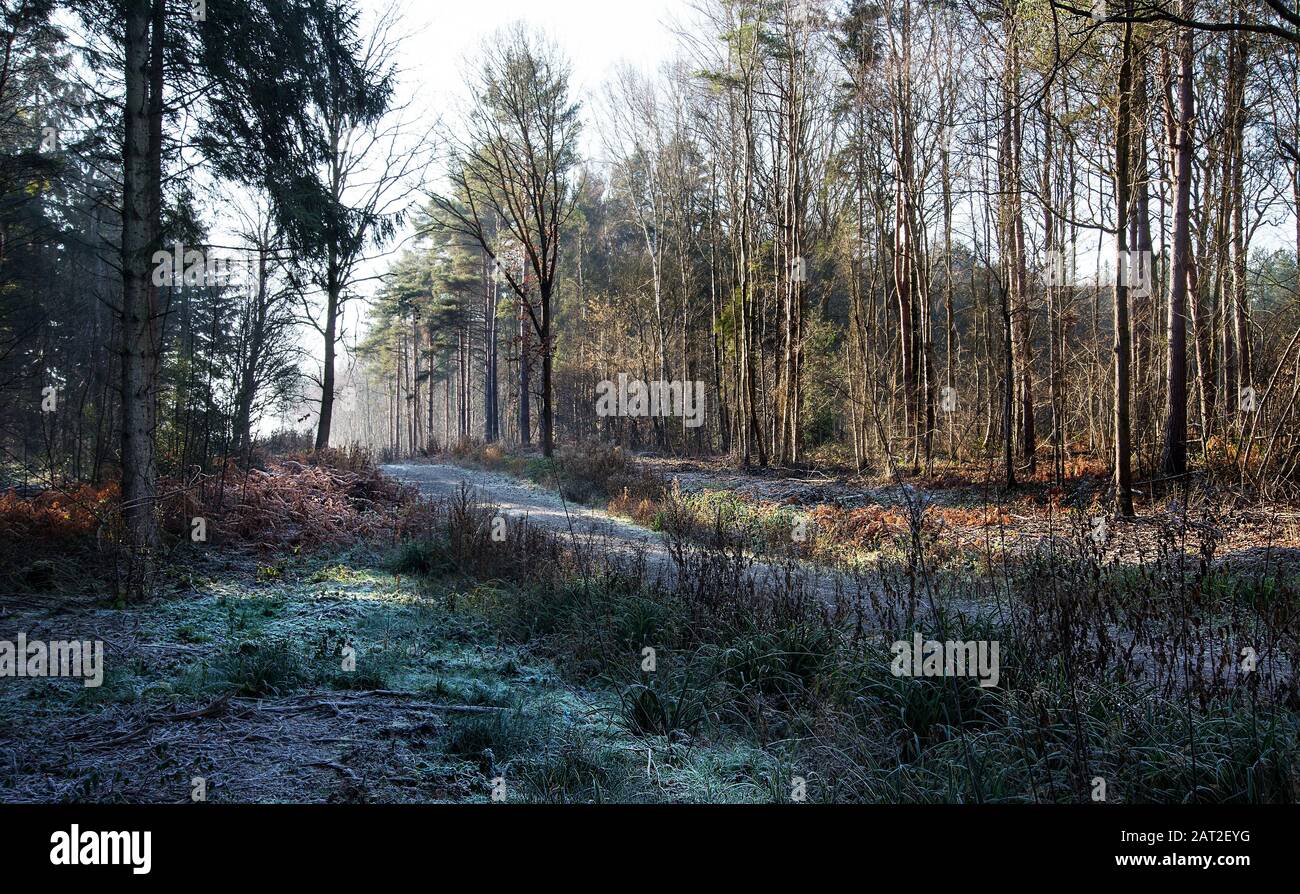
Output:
(606, 533)
(514, 498)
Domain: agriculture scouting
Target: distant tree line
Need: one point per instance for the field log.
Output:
(1047, 237)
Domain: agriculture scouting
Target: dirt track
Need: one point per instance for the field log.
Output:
(545, 509)
(604, 533)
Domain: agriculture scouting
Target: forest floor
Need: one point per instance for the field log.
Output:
(442, 663)
(235, 677)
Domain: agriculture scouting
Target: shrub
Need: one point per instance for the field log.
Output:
(649, 711)
(425, 557)
(491, 740)
(260, 668)
(598, 472)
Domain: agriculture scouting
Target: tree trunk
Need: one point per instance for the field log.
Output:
(525, 425)
(327, 376)
(1123, 357)
(140, 318)
(1174, 457)
(548, 417)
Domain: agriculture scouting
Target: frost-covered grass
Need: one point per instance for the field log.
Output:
(451, 666)
(435, 706)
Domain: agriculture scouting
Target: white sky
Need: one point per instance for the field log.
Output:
(443, 39)
(596, 35)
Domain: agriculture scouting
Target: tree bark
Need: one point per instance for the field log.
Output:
(1123, 357)
(140, 318)
(1174, 457)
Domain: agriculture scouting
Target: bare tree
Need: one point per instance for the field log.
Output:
(265, 347)
(369, 174)
(513, 164)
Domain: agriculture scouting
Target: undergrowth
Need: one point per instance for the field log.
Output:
(1124, 672)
